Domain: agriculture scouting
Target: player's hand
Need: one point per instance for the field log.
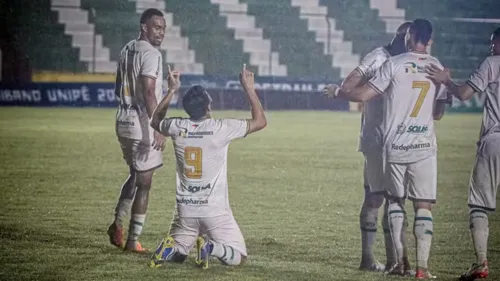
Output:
(173, 79)
(331, 91)
(247, 79)
(158, 141)
(438, 75)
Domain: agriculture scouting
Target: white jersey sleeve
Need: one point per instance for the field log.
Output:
(151, 64)
(480, 79)
(234, 128)
(383, 77)
(486, 80)
(372, 61)
(168, 127)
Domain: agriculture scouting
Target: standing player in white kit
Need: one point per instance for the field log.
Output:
(370, 144)
(409, 140)
(139, 80)
(203, 215)
(485, 176)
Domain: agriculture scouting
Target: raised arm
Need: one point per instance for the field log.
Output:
(160, 112)
(258, 121)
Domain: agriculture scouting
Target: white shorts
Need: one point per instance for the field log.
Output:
(485, 176)
(416, 181)
(140, 155)
(221, 229)
(373, 172)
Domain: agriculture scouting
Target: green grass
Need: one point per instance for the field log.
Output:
(295, 189)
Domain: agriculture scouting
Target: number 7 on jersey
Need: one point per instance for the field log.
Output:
(424, 89)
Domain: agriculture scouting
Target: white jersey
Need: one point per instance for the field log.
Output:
(372, 116)
(201, 154)
(409, 99)
(137, 58)
(487, 79)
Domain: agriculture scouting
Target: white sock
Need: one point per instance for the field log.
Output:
(226, 254)
(396, 220)
(122, 209)
(478, 219)
(135, 228)
(368, 225)
(423, 230)
(390, 252)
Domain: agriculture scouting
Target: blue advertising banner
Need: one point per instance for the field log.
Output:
(226, 93)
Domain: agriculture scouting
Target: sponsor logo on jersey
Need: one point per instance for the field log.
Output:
(125, 123)
(411, 146)
(412, 68)
(401, 129)
(417, 129)
(413, 129)
(194, 189)
(182, 132)
(192, 202)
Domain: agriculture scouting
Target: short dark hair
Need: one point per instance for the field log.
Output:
(196, 101)
(422, 29)
(496, 34)
(149, 13)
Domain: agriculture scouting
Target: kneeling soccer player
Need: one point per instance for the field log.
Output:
(203, 215)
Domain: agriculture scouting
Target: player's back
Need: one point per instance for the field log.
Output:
(487, 79)
(201, 152)
(409, 108)
(138, 58)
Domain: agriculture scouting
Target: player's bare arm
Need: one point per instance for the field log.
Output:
(118, 82)
(160, 111)
(354, 79)
(258, 121)
(439, 109)
(148, 84)
(360, 93)
(462, 92)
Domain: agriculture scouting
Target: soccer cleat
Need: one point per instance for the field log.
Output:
(136, 247)
(477, 271)
(163, 253)
(374, 267)
(203, 248)
(399, 270)
(424, 274)
(115, 233)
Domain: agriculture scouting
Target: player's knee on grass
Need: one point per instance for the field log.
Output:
(233, 259)
(243, 260)
(178, 258)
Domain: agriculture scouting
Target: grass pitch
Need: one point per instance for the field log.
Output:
(295, 189)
